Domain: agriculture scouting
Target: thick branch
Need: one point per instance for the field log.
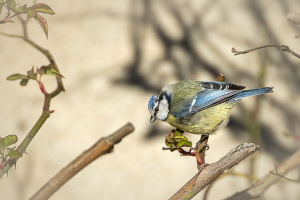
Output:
(262, 185)
(209, 173)
(103, 146)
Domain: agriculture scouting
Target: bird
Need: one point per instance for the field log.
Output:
(199, 107)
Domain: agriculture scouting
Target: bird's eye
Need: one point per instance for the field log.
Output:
(157, 108)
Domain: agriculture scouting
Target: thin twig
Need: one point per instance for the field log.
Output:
(280, 47)
(103, 146)
(11, 35)
(262, 185)
(277, 174)
(209, 173)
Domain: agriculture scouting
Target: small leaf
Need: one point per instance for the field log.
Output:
(44, 68)
(24, 81)
(31, 13)
(1, 143)
(22, 9)
(15, 77)
(9, 140)
(42, 8)
(53, 72)
(32, 74)
(14, 154)
(48, 70)
(11, 4)
(43, 23)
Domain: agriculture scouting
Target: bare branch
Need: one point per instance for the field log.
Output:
(280, 47)
(103, 146)
(209, 173)
(262, 185)
(277, 174)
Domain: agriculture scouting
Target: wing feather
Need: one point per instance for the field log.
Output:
(211, 94)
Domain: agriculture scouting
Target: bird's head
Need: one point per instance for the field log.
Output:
(159, 106)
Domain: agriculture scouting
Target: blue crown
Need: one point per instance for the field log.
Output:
(151, 102)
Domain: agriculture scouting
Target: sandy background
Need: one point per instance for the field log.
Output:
(115, 55)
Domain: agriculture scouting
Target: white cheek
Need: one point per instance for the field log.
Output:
(163, 112)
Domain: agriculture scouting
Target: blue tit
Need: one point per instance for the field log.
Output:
(198, 107)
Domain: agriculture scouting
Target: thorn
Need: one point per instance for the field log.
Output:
(51, 111)
(2, 164)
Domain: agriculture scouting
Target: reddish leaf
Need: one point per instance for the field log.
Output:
(42, 8)
(43, 23)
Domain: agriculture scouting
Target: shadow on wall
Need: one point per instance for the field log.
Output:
(144, 17)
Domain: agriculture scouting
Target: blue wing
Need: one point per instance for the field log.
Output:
(215, 93)
(205, 99)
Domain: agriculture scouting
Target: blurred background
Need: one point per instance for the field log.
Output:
(114, 55)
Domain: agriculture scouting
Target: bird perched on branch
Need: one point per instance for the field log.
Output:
(198, 107)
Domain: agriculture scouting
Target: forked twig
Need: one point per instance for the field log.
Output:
(280, 47)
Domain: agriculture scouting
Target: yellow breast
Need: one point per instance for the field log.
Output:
(204, 122)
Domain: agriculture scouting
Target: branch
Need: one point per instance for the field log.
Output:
(46, 109)
(103, 146)
(209, 173)
(280, 47)
(262, 185)
(277, 174)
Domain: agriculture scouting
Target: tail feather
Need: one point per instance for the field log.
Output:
(253, 92)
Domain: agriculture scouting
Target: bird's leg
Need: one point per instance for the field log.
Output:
(200, 148)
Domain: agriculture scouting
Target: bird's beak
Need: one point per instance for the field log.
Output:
(152, 119)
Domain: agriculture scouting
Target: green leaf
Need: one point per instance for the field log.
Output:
(1, 143)
(14, 154)
(11, 4)
(22, 9)
(24, 81)
(53, 72)
(9, 140)
(48, 70)
(16, 77)
(31, 13)
(43, 23)
(42, 8)
(32, 74)
(36, 73)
